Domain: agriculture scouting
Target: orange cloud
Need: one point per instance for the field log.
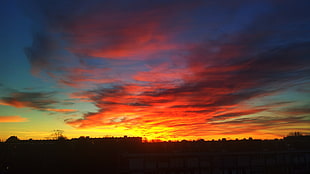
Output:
(165, 114)
(12, 119)
(15, 103)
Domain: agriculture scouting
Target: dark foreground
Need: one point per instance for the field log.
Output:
(129, 155)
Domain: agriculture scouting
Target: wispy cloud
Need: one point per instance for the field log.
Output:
(42, 101)
(36, 100)
(12, 119)
(61, 110)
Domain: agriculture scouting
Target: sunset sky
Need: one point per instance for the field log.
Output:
(168, 70)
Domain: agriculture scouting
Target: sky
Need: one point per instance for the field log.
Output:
(164, 69)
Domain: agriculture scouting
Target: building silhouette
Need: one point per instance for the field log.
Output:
(129, 155)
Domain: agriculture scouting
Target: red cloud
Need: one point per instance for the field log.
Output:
(170, 114)
(15, 103)
(163, 73)
(136, 34)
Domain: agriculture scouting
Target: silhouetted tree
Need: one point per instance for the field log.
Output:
(58, 135)
(12, 139)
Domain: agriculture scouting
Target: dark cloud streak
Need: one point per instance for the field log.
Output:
(36, 100)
